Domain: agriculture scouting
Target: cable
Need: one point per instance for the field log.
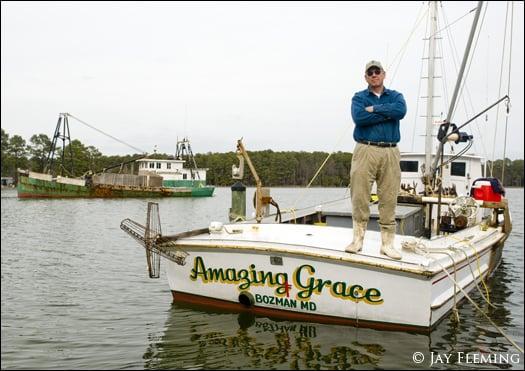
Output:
(454, 59)
(420, 248)
(418, 92)
(106, 134)
(404, 46)
(499, 90)
(508, 93)
(319, 170)
(457, 20)
(470, 62)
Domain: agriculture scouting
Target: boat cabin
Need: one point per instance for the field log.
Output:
(172, 171)
(8, 181)
(460, 173)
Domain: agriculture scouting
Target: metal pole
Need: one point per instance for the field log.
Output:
(458, 81)
(430, 88)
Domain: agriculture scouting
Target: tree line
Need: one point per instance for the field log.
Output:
(275, 168)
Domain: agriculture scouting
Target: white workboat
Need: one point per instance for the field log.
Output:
(297, 267)
(302, 272)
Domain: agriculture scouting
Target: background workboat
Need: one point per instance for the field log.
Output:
(155, 178)
(451, 229)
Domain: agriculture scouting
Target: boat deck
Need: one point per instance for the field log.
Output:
(325, 242)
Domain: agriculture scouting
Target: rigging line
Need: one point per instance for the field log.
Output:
(460, 153)
(485, 296)
(455, 58)
(403, 48)
(106, 134)
(457, 20)
(293, 210)
(486, 103)
(460, 78)
(442, 50)
(419, 18)
(294, 204)
(484, 150)
(455, 55)
(471, 60)
(508, 93)
(462, 83)
(419, 90)
(424, 251)
(499, 89)
(443, 69)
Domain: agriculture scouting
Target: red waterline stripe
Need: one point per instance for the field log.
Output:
(206, 302)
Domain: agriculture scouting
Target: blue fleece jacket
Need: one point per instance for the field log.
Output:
(382, 125)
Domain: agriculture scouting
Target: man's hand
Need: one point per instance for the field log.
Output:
(369, 109)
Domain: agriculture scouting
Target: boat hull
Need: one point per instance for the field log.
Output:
(231, 307)
(38, 188)
(324, 290)
(205, 191)
(444, 296)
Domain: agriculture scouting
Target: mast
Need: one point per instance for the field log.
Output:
(430, 89)
(184, 151)
(65, 136)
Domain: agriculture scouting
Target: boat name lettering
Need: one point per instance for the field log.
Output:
(244, 277)
(309, 285)
(283, 302)
(303, 281)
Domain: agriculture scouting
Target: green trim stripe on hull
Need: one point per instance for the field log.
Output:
(37, 188)
(184, 183)
(202, 191)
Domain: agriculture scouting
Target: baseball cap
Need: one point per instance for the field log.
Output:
(374, 64)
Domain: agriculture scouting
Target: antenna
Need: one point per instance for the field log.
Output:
(185, 120)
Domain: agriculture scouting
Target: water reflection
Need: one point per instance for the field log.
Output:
(224, 340)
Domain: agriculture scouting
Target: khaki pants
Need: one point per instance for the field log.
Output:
(380, 164)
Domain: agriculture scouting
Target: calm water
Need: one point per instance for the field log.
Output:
(75, 295)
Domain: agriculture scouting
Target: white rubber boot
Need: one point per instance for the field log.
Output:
(387, 245)
(359, 235)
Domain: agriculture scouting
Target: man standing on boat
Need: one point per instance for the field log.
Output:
(376, 112)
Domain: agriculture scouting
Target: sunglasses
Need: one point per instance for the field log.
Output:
(373, 71)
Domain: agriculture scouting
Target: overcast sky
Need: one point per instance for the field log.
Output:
(280, 75)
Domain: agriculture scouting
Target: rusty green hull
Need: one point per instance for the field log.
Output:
(37, 188)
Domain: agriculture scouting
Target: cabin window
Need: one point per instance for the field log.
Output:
(168, 166)
(458, 168)
(158, 165)
(409, 166)
(151, 165)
